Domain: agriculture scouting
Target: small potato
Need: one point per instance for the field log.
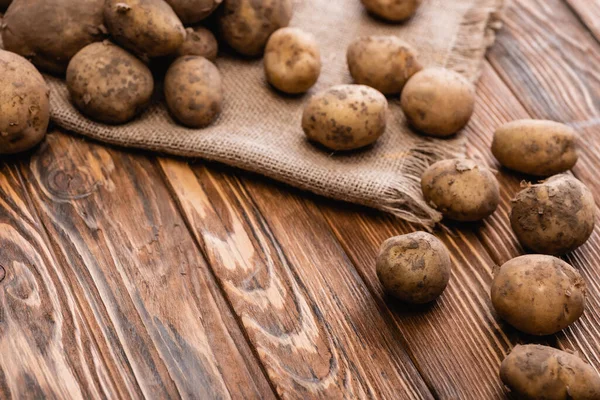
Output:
(535, 147)
(554, 217)
(438, 102)
(24, 110)
(345, 117)
(193, 11)
(392, 10)
(147, 28)
(108, 84)
(414, 268)
(292, 60)
(534, 372)
(247, 24)
(201, 42)
(538, 294)
(460, 189)
(193, 91)
(382, 62)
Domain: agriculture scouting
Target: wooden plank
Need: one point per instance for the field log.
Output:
(133, 264)
(311, 319)
(589, 13)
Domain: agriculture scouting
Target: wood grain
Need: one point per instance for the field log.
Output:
(589, 12)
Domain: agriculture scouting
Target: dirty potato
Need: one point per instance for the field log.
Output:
(538, 294)
(292, 60)
(247, 24)
(382, 62)
(193, 91)
(534, 372)
(414, 268)
(345, 117)
(438, 102)
(108, 84)
(193, 11)
(392, 10)
(199, 41)
(50, 32)
(24, 110)
(555, 216)
(460, 189)
(536, 147)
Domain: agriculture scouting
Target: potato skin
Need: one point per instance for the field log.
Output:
(193, 91)
(24, 109)
(247, 24)
(536, 147)
(108, 84)
(460, 189)
(345, 117)
(538, 294)
(414, 268)
(193, 11)
(382, 62)
(147, 28)
(292, 60)
(438, 102)
(199, 41)
(540, 372)
(555, 216)
(392, 10)
(50, 32)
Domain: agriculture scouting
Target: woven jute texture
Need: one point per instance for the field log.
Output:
(259, 129)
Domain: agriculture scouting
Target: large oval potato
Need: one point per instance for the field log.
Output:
(24, 109)
(345, 117)
(382, 62)
(108, 84)
(533, 372)
(247, 24)
(538, 294)
(460, 189)
(193, 91)
(536, 147)
(555, 216)
(199, 41)
(392, 10)
(193, 11)
(50, 32)
(148, 28)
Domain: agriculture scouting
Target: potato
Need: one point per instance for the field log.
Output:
(414, 268)
(108, 84)
(292, 60)
(535, 372)
(538, 294)
(437, 101)
(392, 10)
(382, 62)
(50, 32)
(199, 41)
(247, 24)
(460, 189)
(345, 117)
(193, 91)
(535, 147)
(555, 216)
(24, 110)
(147, 28)
(193, 11)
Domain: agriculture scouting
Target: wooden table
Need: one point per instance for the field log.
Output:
(128, 275)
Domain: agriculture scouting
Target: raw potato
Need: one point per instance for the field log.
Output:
(292, 60)
(193, 11)
(382, 62)
(414, 268)
(438, 102)
(50, 32)
(460, 189)
(148, 28)
(538, 294)
(193, 91)
(536, 147)
(247, 24)
(108, 84)
(555, 216)
(199, 41)
(535, 372)
(345, 117)
(24, 110)
(392, 10)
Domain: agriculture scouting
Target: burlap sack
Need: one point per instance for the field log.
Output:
(259, 129)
